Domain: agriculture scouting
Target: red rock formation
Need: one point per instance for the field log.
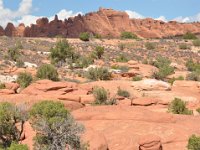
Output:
(106, 22)
(1, 31)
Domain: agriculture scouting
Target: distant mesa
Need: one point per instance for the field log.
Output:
(106, 22)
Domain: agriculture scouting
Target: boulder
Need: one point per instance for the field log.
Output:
(151, 84)
(12, 86)
(144, 101)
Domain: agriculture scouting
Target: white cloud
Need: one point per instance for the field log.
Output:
(22, 15)
(133, 14)
(188, 19)
(162, 18)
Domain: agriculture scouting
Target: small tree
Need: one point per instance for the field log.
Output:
(177, 106)
(10, 117)
(47, 71)
(194, 143)
(55, 126)
(24, 79)
(61, 52)
(84, 36)
(99, 51)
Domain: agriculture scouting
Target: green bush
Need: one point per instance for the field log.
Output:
(101, 95)
(123, 93)
(14, 53)
(189, 36)
(19, 63)
(128, 35)
(137, 78)
(84, 61)
(99, 51)
(177, 106)
(150, 46)
(196, 42)
(194, 76)
(163, 64)
(55, 127)
(61, 52)
(15, 146)
(198, 110)
(98, 74)
(2, 86)
(84, 36)
(47, 71)
(11, 117)
(183, 46)
(194, 143)
(24, 79)
(122, 58)
(172, 80)
(193, 66)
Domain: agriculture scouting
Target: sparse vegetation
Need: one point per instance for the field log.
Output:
(47, 71)
(150, 46)
(123, 93)
(177, 106)
(137, 78)
(184, 46)
(194, 76)
(84, 36)
(122, 58)
(163, 64)
(198, 110)
(24, 79)
(172, 80)
(15, 146)
(128, 35)
(196, 42)
(2, 86)
(98, 52)
(194, 143)
(14, 53)
(101, 95)
(189, 36)
(55, 127)
(98, 74)
(84, 61)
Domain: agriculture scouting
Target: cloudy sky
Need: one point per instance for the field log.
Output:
(27, 11)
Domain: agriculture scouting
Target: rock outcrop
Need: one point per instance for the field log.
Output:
(106, 22)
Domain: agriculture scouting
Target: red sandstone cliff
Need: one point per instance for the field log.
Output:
(106, 22)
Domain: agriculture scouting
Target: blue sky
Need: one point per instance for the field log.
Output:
(182, 10)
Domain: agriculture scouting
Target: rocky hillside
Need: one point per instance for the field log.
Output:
(106, 22)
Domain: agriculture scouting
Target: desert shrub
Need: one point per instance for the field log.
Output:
(14, 53)
(61, 52)
(99, 51)
(123, 93)
(15, 146)
(122, 58)
(24, 79)
(47, 71)
(97, 36)
(2, 86)
(198, 110)
(163, 64)
(189, 36)
(55, 127)
(194, 76)
(84, 36)
(10, 117)
(177, 106)
(183, 46)
(150, 46)
(84, 61)
(194, 143)
(137, 78)
(172, 80)
(128, 35)
(196, 42)
(19, 63)
(193, 66)
(100, 94)
(98, 74)
(122, 46)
